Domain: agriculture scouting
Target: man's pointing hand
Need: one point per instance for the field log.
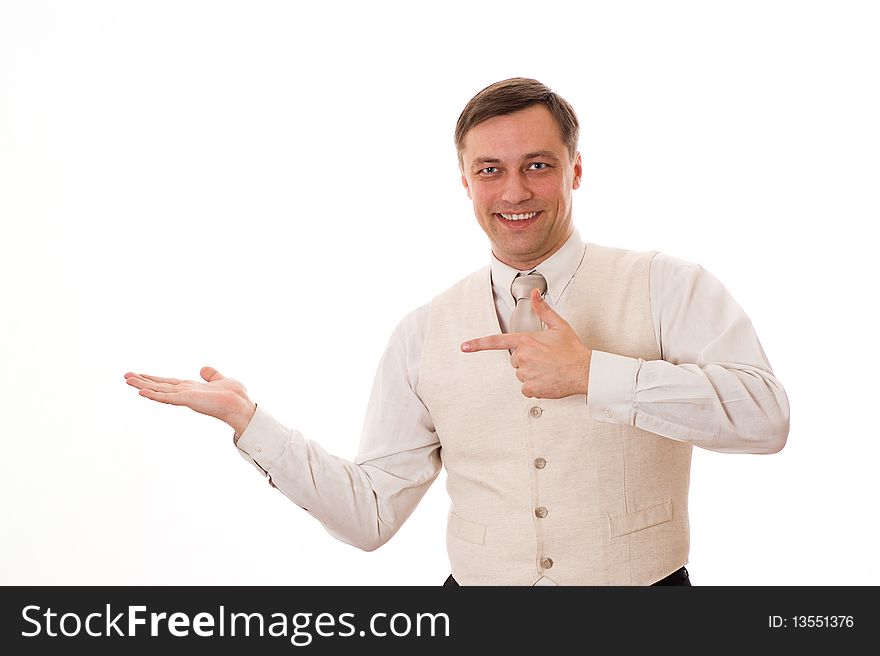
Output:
(551, 364)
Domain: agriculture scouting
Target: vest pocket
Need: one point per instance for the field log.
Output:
(465, 530)
(641, 519)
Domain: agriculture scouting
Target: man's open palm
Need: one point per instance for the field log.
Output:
(220, 397)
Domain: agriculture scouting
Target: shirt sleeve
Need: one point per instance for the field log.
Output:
(365, 501)
(713, 386)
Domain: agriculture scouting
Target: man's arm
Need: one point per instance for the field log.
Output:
(713, 387)
(362, 502)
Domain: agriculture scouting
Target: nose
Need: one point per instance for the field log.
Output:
(515, 189)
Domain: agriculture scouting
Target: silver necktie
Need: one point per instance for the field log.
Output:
(524, 319)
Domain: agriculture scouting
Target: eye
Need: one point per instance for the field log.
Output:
(538, 166)
(489, 170)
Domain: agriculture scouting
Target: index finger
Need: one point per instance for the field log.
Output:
(492, 343)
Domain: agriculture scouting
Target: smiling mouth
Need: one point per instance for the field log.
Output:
(518, 220)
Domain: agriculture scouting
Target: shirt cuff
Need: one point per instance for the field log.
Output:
(612, 388)
(263, 441)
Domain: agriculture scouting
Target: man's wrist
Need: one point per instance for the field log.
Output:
(240, 420)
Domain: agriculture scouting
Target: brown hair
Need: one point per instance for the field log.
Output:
(512, 95)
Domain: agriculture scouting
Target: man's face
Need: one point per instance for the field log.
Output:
(517, 166)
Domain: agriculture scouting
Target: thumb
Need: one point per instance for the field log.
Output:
(547, 314)
(210, 374)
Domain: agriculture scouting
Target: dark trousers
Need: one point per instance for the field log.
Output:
(678, 577)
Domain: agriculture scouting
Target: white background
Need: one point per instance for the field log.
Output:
(203, 183)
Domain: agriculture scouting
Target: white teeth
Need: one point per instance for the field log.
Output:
(519, 217)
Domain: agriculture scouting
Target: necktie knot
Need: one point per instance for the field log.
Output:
(523, 284)
(524, 319)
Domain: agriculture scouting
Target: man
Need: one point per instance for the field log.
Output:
(562, 386)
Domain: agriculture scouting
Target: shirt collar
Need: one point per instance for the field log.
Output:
(558, 270)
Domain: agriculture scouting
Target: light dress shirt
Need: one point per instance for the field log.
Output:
(713, 388)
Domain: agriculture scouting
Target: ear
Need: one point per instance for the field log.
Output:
(467, 187)
(578, 171)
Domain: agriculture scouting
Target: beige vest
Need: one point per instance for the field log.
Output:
(537, 487)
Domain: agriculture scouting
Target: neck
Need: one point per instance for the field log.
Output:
(529, 264)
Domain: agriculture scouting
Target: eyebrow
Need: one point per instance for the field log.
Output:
(485, 160)
(545, 154)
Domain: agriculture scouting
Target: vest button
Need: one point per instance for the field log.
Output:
(540, 463)
(536, 412)
(541, 512)
(547, 563)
